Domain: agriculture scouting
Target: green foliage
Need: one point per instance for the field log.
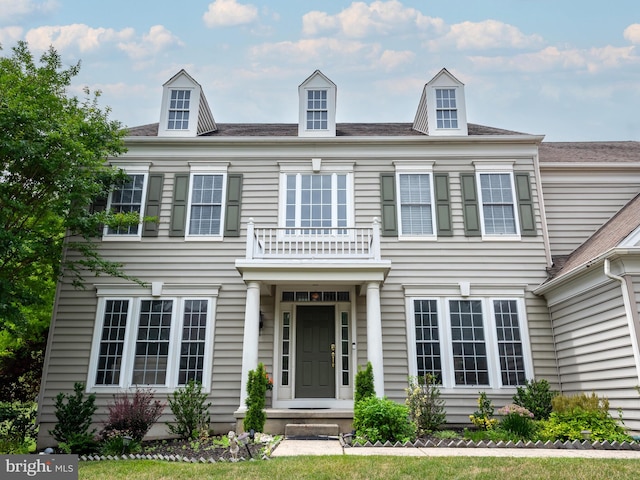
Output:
(74, 420)
(518, 421)
(18, 428)
(426, 408)
(380, 419)
(364, 386)
(190, 411)
(536, 396)
(483, 417)
(577, 416)
(257, 385)
(132, 416)
(115, 445)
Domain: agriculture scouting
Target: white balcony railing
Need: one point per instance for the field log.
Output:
(313, 243)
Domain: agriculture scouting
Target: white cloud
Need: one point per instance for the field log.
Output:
(390, 60)
(632, 33)
(75, 36)
(9, 36)
(156, 40)
(485, 35)
(360, 20)
(14, 10)
(228, 13)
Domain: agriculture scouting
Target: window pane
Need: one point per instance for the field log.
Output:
(415, 204)
(193, 341)
(112, 342)
(206, 205)
(152, 345)
(427, 338)
(469, 350)
(179, 105)
(127, 198)
(497, 204)
(509, 344)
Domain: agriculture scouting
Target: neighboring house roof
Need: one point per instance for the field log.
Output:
(589, 152)
(291, 130)
(610, 235)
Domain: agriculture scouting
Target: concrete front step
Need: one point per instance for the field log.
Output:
(310, 430)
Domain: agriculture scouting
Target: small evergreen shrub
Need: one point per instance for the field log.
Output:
(257, 385)
(132, 415)
(190, 411)
(518, 421)
(380, 419)
(483, 417)
(74, 420)
(364, 386)
(536, 396)
(115, 445)
(426, 408)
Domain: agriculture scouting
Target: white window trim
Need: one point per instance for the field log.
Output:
(135, 295)
(209, 169)
(190, 109)
(307, 168)
(460, 110)
(133, 170)
(425, 168)
(491, 339)
(499, 169)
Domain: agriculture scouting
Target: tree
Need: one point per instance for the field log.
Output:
(53, 148)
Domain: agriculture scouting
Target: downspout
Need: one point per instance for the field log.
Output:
(629, 311)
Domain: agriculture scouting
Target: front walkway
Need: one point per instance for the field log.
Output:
(289, 448)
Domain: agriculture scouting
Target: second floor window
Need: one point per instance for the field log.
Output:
(316, 203)
(446, 108)
(317, 111)
(205, 209)
(179, 105)
(498, 207)
(416, 212)
(126, 198)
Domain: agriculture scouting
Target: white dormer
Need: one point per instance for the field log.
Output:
(442, 110)
(317, 107)
(185, 111)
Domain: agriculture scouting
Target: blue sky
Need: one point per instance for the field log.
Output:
(568, 70)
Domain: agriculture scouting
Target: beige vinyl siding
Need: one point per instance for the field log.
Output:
(577, 205)
(594, 349)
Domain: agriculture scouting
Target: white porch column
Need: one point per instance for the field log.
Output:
(374, 336)
(250, 341)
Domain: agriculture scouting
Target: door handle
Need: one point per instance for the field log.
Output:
(333, 355)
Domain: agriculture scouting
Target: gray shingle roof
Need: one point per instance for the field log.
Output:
(589, 152)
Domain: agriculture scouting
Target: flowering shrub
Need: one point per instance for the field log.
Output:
(518, 421)
(513, 409)
(483, 417)
(426, 408)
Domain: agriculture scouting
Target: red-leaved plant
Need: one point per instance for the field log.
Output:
(132, 415)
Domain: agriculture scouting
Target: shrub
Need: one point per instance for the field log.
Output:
(364, 386)
(575, 416)
(518, 421)
(426, 408)
(17, 427)
(190, 410)
(536, 396)
(381, 419)
(132, 416)
(74, 419)
(257, 384)
(483, 417)
(115, 446)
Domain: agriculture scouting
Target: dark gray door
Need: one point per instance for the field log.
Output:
(315, 352)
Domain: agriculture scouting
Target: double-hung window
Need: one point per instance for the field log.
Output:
(205, 215)
(128, 197)
(446, 108)
(157, 342)
(416, 204)
(497, 198)
(317, 110)
(469, 342)
(179, 105)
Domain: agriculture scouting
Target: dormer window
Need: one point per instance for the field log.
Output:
(317, 107)
(179, 105)
(316, 110)
(446, 109)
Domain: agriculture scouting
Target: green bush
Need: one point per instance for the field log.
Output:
(17, 427)
(380, 419)
(74, 420)
(518, 421)
(536, 396)
(426, 408)
(190, 410)
(364, 386)
(483, 417)
(115, 446)
(588, 403)
(257, 385)
(132, 416)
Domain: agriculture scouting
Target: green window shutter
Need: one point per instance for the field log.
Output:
(470, 210)
(443, 205)
(525, 205)
(232, 213)
(154, 199)
(389, 211)
(179, 207)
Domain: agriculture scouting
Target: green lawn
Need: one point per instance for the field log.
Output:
(368, 468)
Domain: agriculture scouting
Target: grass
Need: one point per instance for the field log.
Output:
(369, 468)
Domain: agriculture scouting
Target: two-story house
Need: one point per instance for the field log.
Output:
(317, 246)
